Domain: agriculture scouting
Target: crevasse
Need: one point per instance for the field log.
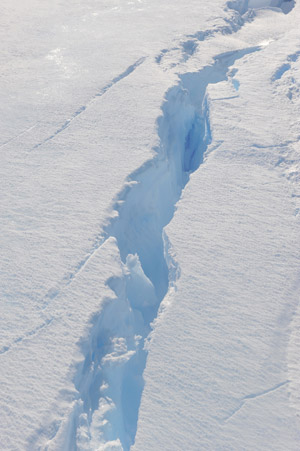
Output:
(110, 382)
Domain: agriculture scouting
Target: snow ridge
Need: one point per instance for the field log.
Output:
(110, 380)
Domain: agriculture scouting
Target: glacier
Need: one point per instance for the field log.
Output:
(150, 214)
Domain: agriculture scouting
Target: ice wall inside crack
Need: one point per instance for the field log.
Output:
(110, 381)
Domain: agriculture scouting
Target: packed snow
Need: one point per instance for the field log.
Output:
(150, 168)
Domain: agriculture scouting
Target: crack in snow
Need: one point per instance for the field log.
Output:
(28, 334)
(243, 12)
(56, 291)
(189, 46)
(110, 380)
(71, 276)
(19, 135)
(83, 108)
(251, 397)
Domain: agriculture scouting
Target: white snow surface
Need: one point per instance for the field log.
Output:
(150, 169)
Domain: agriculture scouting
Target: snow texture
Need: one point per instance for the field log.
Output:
(166, 318)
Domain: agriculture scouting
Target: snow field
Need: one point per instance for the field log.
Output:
(217, 354)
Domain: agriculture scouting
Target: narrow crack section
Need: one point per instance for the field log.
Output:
(252, 397)
(83, 108)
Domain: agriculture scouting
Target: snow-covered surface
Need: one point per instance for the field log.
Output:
(150, 170)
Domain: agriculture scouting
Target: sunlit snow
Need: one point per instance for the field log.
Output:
(150, 170)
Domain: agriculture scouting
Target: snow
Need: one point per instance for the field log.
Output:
(150, 222)
(226, 331)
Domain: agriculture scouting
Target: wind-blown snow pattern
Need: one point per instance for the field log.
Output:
(95, 324)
